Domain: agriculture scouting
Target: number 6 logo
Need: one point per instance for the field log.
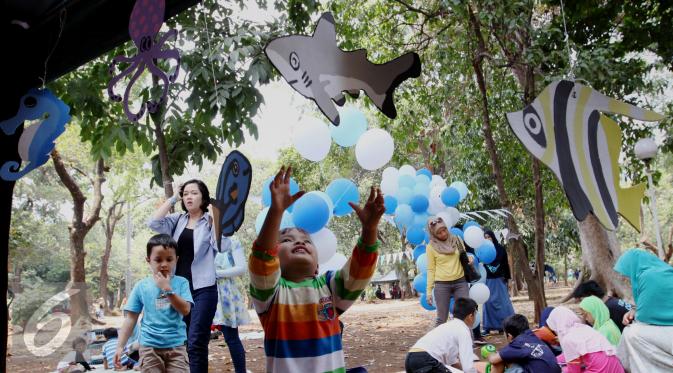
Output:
(42, 317)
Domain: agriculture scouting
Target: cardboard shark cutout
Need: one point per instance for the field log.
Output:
(565, 129)
(315, 67)
(233, 187)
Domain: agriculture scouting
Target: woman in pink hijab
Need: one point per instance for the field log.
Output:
(584, 349)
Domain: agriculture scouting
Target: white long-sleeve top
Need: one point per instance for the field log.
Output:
(231, 249)
(449, 343)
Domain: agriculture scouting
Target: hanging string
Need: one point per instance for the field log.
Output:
(61, 19)
(571, 63)
(212, 66)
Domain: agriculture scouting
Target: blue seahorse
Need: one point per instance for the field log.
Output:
(37, 140)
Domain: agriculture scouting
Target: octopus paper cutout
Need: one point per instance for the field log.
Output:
(146, 19)
(37, 140)
(233, 187)
(565, 129)
(316, 68)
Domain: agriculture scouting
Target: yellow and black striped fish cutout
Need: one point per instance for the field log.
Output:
(565, 129)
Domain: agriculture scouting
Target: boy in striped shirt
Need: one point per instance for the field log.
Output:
(299, 310)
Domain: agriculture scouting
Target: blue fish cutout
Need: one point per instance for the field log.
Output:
(37, 140)
(233, 187)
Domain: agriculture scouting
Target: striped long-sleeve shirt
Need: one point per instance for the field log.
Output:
(301, 319)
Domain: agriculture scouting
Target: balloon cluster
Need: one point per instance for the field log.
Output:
(312, 212)
(373, 148)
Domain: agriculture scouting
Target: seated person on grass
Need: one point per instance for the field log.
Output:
(299, 310)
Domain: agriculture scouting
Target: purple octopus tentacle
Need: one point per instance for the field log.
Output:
(170, 33)
(168, 54)
(152, 105)
(117, 78)
(134, 117)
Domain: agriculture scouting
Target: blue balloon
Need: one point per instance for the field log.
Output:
(423, 179)
(450, 197)
(342, 191)
(470, 223)
(486, 252)
(419, 203)
(482, 272)
(311, 212)
(422, 189)
(420, 282)
(421, 220)
(352, 125)
(415, 236)
(424, 303)
(457, 232)
(390, 203)
(266, 192)
(424, 171)
(404, 216)
(452, 301)
(420, 249)
(422, 263)
(404, 195)
(406, 181)
(427, 237)
(286, 220)
(461, 188)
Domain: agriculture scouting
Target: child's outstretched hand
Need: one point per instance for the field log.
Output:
(370, 215)
(280, 190)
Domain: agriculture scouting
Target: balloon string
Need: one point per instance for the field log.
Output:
(571, 73)
(212, 66)
(61, 18)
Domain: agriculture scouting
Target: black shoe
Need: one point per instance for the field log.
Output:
(480, 342)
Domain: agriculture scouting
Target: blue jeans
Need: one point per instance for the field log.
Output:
(235, 347)
(198, 323)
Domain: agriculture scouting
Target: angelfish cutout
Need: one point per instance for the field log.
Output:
(233, 187)
(316, 68)
(565, 129)
(37, 139)
(145, 22)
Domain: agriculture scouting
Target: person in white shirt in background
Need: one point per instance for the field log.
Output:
(449, 344)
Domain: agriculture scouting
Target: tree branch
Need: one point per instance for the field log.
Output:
(70, 184)
(99, 179)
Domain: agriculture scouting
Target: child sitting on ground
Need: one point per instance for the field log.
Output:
(110, 347)
(596, 314)
(164, 300)
(299, 309)
(525, 352)
(449, 344)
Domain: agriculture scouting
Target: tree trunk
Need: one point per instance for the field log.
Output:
(539, 230)
(113, 216)
(600, 250)
(78, 229)
(516, 278)
(158, 120)
(534, 291)
(565, 270)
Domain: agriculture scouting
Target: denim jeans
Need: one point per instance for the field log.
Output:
(236, 349)
(198, 323)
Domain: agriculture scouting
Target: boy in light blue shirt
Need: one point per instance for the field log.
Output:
(164, 299)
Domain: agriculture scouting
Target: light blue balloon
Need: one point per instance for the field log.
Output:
(421, 220)
(406, 181)
(420, 282)
(390, 203)
(423, 179)
(311, 212)
(422, 189)
(424, 171)
(486, 252)
(419, 203)
(342, 191)
(424, 303)
(404, 195)
(482, 272)
(415, 236)
(352, 125)
(404, 216)
(422, 263)
(461, 188)
(266, 192)
(457, 232)
(420, 249)
(470, 223)
(450, 197)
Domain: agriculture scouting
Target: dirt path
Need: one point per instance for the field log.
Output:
(376, 336)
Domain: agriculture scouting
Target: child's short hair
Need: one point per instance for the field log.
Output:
(588, 288)
(302, 230)
(464, 307)
(110, 333)
(163, 240)
(515, 325)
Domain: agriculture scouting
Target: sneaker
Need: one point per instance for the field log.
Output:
(480, 341)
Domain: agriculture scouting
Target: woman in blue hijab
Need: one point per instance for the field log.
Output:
(646, 341)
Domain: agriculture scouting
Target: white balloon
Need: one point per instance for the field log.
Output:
(390, 186)
(374, 149)
(447, 218)
(454, 214)
(480, 293)
(407, 170)
(326, 243)
(436, 205)
(313, 140)
(437, 181)
(336, 263)
(390, 173)
(473, 236)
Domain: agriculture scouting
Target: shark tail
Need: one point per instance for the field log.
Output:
(403, 67)
(629, 204)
